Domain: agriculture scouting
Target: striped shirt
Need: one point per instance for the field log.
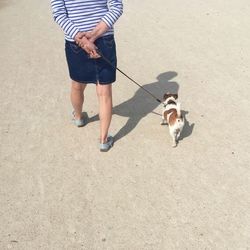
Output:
(83, 15)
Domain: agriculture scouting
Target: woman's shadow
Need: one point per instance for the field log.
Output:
(141, 104)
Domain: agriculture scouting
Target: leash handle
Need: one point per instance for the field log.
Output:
(105, 59)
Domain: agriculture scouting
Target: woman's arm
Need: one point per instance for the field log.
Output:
(100, 29)
(60, 17)
(115, 11)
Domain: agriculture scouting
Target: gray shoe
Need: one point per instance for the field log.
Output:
(80, 122)
(104, 147)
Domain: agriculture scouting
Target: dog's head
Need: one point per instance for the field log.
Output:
(168, 96)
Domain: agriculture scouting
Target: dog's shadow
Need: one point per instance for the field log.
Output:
(141, 104)
(188, 128)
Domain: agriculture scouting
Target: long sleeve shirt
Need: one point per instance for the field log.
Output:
(83, 15)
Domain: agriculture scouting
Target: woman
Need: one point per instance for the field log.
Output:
(88, 27)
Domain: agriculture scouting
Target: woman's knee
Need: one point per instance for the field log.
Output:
(78, 86)
(104, 90)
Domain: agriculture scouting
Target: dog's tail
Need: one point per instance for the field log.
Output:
(178, 109)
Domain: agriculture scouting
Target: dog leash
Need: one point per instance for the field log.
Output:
(105, 59)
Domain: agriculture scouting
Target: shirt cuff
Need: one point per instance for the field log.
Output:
(72, 33)
(109, 20)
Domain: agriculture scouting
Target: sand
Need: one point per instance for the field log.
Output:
(57, 191)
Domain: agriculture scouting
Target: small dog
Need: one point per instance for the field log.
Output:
(171, 115)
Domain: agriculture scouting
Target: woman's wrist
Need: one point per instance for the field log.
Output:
(100, 29)
(79, 36)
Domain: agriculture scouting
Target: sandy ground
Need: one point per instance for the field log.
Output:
(57, 191)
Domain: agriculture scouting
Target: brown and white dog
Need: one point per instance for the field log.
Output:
(171, 114)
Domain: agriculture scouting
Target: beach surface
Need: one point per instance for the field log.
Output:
(57, 191)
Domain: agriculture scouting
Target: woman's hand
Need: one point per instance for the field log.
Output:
(97, 32)
(79, 36)
(86, 44)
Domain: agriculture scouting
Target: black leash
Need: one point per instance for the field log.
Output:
(105, 59)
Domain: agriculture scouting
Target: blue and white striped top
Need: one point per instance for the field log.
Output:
(83, 15)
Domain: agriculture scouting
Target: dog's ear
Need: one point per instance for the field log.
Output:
(175, 96)
(166, 96)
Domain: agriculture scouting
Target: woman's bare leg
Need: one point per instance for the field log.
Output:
(104, 93)
(77, 98)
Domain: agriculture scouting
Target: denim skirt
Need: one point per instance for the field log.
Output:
(83, 69)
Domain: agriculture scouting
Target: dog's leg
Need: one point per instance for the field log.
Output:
(163, 118)
(163, 121)
(174, 141)
(173, 135)
(178, 133)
